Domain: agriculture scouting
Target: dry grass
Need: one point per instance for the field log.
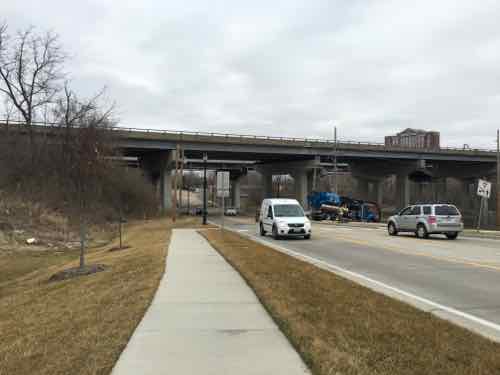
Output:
(80, 326)
(340, 327)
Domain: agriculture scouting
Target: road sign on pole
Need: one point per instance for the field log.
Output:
(223, 184)
(223, 190)
(484, 189)
(498, 179)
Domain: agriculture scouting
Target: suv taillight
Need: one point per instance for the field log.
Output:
(431, 219)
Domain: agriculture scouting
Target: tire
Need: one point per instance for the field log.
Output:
(307, 237)
(452, 236)
(276, 236)
(262, 231)
(422, 231)
(391, 229)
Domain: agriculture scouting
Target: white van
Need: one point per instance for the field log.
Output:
(283, 217)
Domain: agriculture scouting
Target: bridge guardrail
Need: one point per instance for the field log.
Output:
(341, 142)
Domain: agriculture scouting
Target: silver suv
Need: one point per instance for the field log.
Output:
(425, 219)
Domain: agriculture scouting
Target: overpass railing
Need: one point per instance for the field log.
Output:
(180, 134)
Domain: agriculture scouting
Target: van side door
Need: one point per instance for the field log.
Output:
(268, 219)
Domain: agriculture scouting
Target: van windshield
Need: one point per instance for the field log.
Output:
(288, 210)
(446, 210)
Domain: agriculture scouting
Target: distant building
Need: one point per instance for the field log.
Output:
(414, 138)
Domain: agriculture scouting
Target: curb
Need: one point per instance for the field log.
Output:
(473, 323)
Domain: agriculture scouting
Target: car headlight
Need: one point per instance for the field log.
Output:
(282, 223)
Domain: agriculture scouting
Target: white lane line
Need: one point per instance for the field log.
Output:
(335, 229)
(332, 267)
(243, 230)
(435, 305)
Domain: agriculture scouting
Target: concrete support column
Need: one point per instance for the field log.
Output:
(440, 190)
(310, 182)
(403, 190)
(363, 188)
(464, 195)
(300, 178)
(236, 192)
(267, 184)
(379, 190)
(165, 182)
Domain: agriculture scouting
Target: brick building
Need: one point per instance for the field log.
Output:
(414, 138)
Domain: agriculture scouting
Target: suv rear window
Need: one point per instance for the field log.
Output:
(427, 210)
(446, 210)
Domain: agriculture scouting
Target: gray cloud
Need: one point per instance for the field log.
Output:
(287, 68)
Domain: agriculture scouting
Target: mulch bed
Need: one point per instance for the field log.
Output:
(117, 248)
(77, 272)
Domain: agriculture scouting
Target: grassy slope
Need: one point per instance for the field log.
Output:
(80, 326)
(340, 327)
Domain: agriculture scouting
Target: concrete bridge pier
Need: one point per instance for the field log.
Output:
(379, 192)
(440, 191)
(267, 183)
(235, 179)
(370, 189)
(165, 183)
(403, 190)
(301, 186)
(157, 167)
(300, 170)
(362, 188)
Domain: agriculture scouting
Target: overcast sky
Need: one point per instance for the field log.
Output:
(285, 68)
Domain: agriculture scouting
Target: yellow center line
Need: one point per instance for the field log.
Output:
(401, 251)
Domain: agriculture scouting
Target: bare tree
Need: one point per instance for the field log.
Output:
(30, 71)
(84, 156)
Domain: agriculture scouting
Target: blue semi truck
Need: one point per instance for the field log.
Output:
(328, 205)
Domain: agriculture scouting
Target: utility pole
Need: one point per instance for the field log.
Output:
(181, 177)
(335, 187)
(189, 185)
(205, 157)
(176, 180)
(498, 179)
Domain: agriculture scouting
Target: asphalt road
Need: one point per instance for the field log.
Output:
(463, 274)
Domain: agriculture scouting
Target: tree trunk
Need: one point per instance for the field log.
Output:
(120, 229)
(82, 243)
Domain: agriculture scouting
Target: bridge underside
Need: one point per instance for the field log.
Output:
(369, 171)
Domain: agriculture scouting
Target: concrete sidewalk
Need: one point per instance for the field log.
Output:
(204, 319)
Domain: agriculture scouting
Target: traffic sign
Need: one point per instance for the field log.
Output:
(223, 184)
(484, 189)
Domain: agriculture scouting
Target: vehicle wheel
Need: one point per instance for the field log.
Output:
(452, 236)
(422, 231)
(275, 233)
(307, 237)
(391, 228)
(262, 231)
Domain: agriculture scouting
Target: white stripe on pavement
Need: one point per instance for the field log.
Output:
(355, 275)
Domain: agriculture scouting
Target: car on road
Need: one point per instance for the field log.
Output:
(231, 211)
(426, 219)
(283, 218)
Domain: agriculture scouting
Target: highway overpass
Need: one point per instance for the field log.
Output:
(369, 163)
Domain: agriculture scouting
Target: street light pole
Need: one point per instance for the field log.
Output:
(205, 157)
(335, 186)
(498, 179)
